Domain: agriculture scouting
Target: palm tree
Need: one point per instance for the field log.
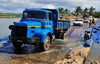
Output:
(66, 11)
(78, 10)
(85, 11)
(91, 10)
(60, 9)
(82, 12)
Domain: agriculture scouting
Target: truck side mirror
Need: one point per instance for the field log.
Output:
(14, 23)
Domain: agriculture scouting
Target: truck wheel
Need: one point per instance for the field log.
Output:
(63, 36)
(45, 46)
(17, 44)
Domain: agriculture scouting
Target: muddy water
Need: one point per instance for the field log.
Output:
(33, 54)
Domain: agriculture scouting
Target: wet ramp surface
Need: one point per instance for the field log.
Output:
(34, 54)
(9, 48)
(74, 33)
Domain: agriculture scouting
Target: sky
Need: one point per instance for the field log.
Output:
(17, 6)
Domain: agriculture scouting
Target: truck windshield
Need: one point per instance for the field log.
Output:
(34, 15)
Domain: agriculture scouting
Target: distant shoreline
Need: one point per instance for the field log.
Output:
(8, 15)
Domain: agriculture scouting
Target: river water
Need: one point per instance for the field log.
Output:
(4, 26)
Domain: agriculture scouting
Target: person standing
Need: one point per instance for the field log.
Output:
(89, 36)
(93, 21)
(90, 23)
(86, 36)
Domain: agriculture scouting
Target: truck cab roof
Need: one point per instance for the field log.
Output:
(43, 10)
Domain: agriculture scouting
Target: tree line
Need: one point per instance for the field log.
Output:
(9, 15)
(79, 11)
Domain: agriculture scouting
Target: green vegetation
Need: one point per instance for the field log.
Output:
(63, 11)
(79, 11)
(97, 14)
(8, 15)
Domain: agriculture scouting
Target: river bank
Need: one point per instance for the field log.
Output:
(9, 15)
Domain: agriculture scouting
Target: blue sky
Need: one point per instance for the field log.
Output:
(17, 6)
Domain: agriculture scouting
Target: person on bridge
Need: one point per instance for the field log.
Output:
(90, 23)
(86, 36)
(93, 21)
(88, 33)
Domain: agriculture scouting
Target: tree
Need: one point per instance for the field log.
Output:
(66, 11)
(85, 11)
(61, 9)
(91, 10)
(81, 12)
(96, 14)
(78, 10)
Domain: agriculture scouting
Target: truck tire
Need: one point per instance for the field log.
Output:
(45, 46)
(17, 44)
(63, 36)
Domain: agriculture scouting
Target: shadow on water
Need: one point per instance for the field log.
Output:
(25, 49)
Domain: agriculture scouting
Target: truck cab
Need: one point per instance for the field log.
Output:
(35, 27)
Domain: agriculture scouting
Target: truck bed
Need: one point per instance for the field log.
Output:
(63, 24)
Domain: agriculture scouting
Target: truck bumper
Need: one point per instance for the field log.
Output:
(25, 40)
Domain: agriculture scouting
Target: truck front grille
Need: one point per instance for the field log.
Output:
(21, 31)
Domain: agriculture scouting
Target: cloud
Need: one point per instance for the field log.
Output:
(16, 6)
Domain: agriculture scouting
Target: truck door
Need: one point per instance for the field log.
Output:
(50, 23)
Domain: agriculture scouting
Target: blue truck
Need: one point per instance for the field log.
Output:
(38, 26)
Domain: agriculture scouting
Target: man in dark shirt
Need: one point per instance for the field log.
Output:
(93, 21)
(86, 36)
